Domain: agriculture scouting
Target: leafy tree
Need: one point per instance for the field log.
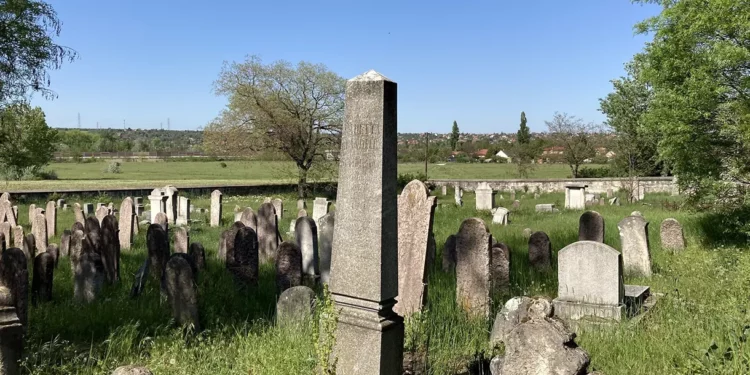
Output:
(698, 69)
(27, 49)
(524, 151)
(574, 136)
(297, 110)
(454, 136)
(78, 141)
(26, 142)
(634, 144)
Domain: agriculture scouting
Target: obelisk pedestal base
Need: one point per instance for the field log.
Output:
(369, 337)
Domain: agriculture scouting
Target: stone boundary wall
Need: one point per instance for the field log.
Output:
(595, 185)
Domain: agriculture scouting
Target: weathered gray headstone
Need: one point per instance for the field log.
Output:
(288, 266)
(158, 202)
(512, 195)
(485, 197)
(416, 209)
(39, 229)
(182, 292)
(671, 235)
(216, 209)
(516, 204)
(32, 212)
(41, 285)
(575, 196)
(444, 189)
(500, 215)
(163, 220)
(591, 227)
(198, 254)
(473, 267)
(268, 237)
(171, 203)
(306, 236)
(301, 204)
(76, 248)
(54, 250)
(181, 240)
(183, 211)
(110, 248)
(126, 223)
(589, 282)
(132, 370)
(78, 226)
(278, 205)
(364, 268)
(157, 244)
(242, 257)
(540, 251)
(78, 212)
(18, 237)
(9, 214)
(320, 208)
(101, 212)
(547, 207)
(11, 334)
(249, 219)
(5, 230)
(302, 213)
(325, 244)
(50, 214)
(295, 306)
(636, 255)
(14, 274)
(457, 196)
(610, 193)
(500, 267)
(614, 201)
(29, 246)
(636, 213)
(449, 254)
(65, 243)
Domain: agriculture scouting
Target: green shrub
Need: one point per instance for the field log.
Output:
(223, 164)
(598, 172)
(113, 167)
(405, 178)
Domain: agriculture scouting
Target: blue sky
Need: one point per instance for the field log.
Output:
(477, 62)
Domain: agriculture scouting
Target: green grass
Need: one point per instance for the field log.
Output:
(190, 173)
(705, 303)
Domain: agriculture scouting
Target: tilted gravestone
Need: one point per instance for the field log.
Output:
(540, 251)
(78, 212)
(126, 223)
(157, 243)
(91, 224)
(249, 219)
(198, 254)
(590, 282)
(500, 216)
(416, 209)
(288, 266)
(14, 274)
(295, 306)
(473, 267)
(50, 214)
(306, 236)
(181, 240)
(41, 285)
(182, 292)
(29, 246)
(636, 255)
(216, 209)
(591, 227)
(364, 268)
(242, 258)
(671, 235)
(76, 248)
(110, 249)
(325, 244)
(9, 214)
(268, 238)
(39, 230)
(78, 226)
(449, 254)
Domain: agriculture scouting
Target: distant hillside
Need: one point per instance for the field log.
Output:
(136, 140)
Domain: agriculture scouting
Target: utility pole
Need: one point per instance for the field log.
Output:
(426, 149)
(79, 120)
(161, 125)
(123, 124)
(97, 124)
(168, 123)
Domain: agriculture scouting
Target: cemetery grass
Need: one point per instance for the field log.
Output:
(91, 175)
(699, 325)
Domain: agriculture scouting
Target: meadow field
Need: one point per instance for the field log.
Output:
(699, 326)
(191, 173)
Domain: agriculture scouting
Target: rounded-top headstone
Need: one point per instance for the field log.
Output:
(473, 267)
(591, 227)
(288, 266)
(157, 244)
(540, 251)
(671, 234)
(91, 224)
(295, 305)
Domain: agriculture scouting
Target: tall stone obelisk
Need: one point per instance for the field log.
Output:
(364, 265)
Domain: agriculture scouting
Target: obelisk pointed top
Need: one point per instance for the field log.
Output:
(371, 75)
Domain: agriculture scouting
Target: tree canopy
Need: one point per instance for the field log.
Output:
(697, 69)
(26, 142)
(297, 110)
(27, 49)
(575, 136)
